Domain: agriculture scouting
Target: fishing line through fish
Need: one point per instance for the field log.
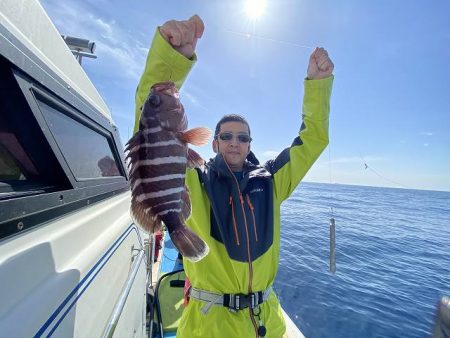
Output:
(258, 37)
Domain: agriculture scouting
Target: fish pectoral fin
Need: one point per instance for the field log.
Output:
(197, 136)
(149, 222)
(194, 160)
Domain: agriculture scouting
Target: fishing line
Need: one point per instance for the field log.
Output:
(385, 178)
(259, 37)
(366, 166)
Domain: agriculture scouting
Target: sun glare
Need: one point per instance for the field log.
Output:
(255, 8)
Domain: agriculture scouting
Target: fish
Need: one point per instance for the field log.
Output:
(158, 156)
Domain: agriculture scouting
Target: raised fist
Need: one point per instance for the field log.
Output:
(183, 35)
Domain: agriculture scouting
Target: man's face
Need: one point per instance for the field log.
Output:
(231, 143)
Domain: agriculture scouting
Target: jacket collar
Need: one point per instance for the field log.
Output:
(219, 165)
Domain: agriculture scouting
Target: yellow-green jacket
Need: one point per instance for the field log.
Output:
(240, 221)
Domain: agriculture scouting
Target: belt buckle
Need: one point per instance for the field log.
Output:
(237, 302)
(253, 303)
(241, 301)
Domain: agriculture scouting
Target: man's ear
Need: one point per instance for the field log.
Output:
(215, 146)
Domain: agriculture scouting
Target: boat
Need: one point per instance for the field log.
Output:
(72, 261)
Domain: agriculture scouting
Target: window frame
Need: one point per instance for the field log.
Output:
(24, 211)
(40, 96)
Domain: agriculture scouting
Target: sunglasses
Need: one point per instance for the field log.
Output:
(227, 136)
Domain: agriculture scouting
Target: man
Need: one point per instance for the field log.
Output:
(235, 201)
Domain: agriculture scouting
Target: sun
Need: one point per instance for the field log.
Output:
(255, 8)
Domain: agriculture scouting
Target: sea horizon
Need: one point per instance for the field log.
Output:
(374, 186)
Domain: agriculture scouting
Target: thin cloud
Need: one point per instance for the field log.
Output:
(117, 49)
(426, 133)
(105, 27)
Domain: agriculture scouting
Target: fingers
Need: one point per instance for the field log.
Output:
(321, 58)
(171, 33)
(180, 33)
(199, 26)
(313, 55)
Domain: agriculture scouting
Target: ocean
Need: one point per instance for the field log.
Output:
(392, 254)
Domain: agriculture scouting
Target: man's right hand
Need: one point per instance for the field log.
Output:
(183, 35)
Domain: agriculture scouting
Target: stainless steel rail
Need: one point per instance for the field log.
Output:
(115, 315)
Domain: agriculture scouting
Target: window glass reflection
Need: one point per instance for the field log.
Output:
(87, 152)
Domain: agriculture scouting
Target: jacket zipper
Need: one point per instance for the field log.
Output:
(250, 267)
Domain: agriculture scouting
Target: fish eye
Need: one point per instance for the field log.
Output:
(155, 100)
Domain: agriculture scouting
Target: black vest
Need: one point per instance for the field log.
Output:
(241, 211)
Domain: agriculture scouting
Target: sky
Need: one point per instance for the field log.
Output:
(390, 106)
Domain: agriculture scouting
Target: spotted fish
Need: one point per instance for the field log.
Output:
(158, 156)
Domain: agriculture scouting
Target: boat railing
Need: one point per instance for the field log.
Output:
(115, 315)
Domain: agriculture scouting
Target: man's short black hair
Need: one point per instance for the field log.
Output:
(230, 118)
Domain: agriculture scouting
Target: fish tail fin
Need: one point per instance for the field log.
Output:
(197, 136)
(189, 244)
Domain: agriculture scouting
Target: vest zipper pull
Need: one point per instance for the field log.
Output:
(261, 329)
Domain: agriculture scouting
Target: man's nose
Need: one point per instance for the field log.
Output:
(234, 141)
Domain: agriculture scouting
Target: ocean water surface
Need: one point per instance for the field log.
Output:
(392, 253)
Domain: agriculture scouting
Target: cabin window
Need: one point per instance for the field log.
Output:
(87, 152)
(57, 153)
(21, 174)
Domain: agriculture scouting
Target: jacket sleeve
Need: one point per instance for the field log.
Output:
(292, 164)
(163, 63)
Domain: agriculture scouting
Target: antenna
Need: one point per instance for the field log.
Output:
(80, 47)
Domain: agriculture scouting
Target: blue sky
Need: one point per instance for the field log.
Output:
(390, 105)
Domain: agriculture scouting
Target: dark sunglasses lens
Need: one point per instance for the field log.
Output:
(243, 138)
(226, 136)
